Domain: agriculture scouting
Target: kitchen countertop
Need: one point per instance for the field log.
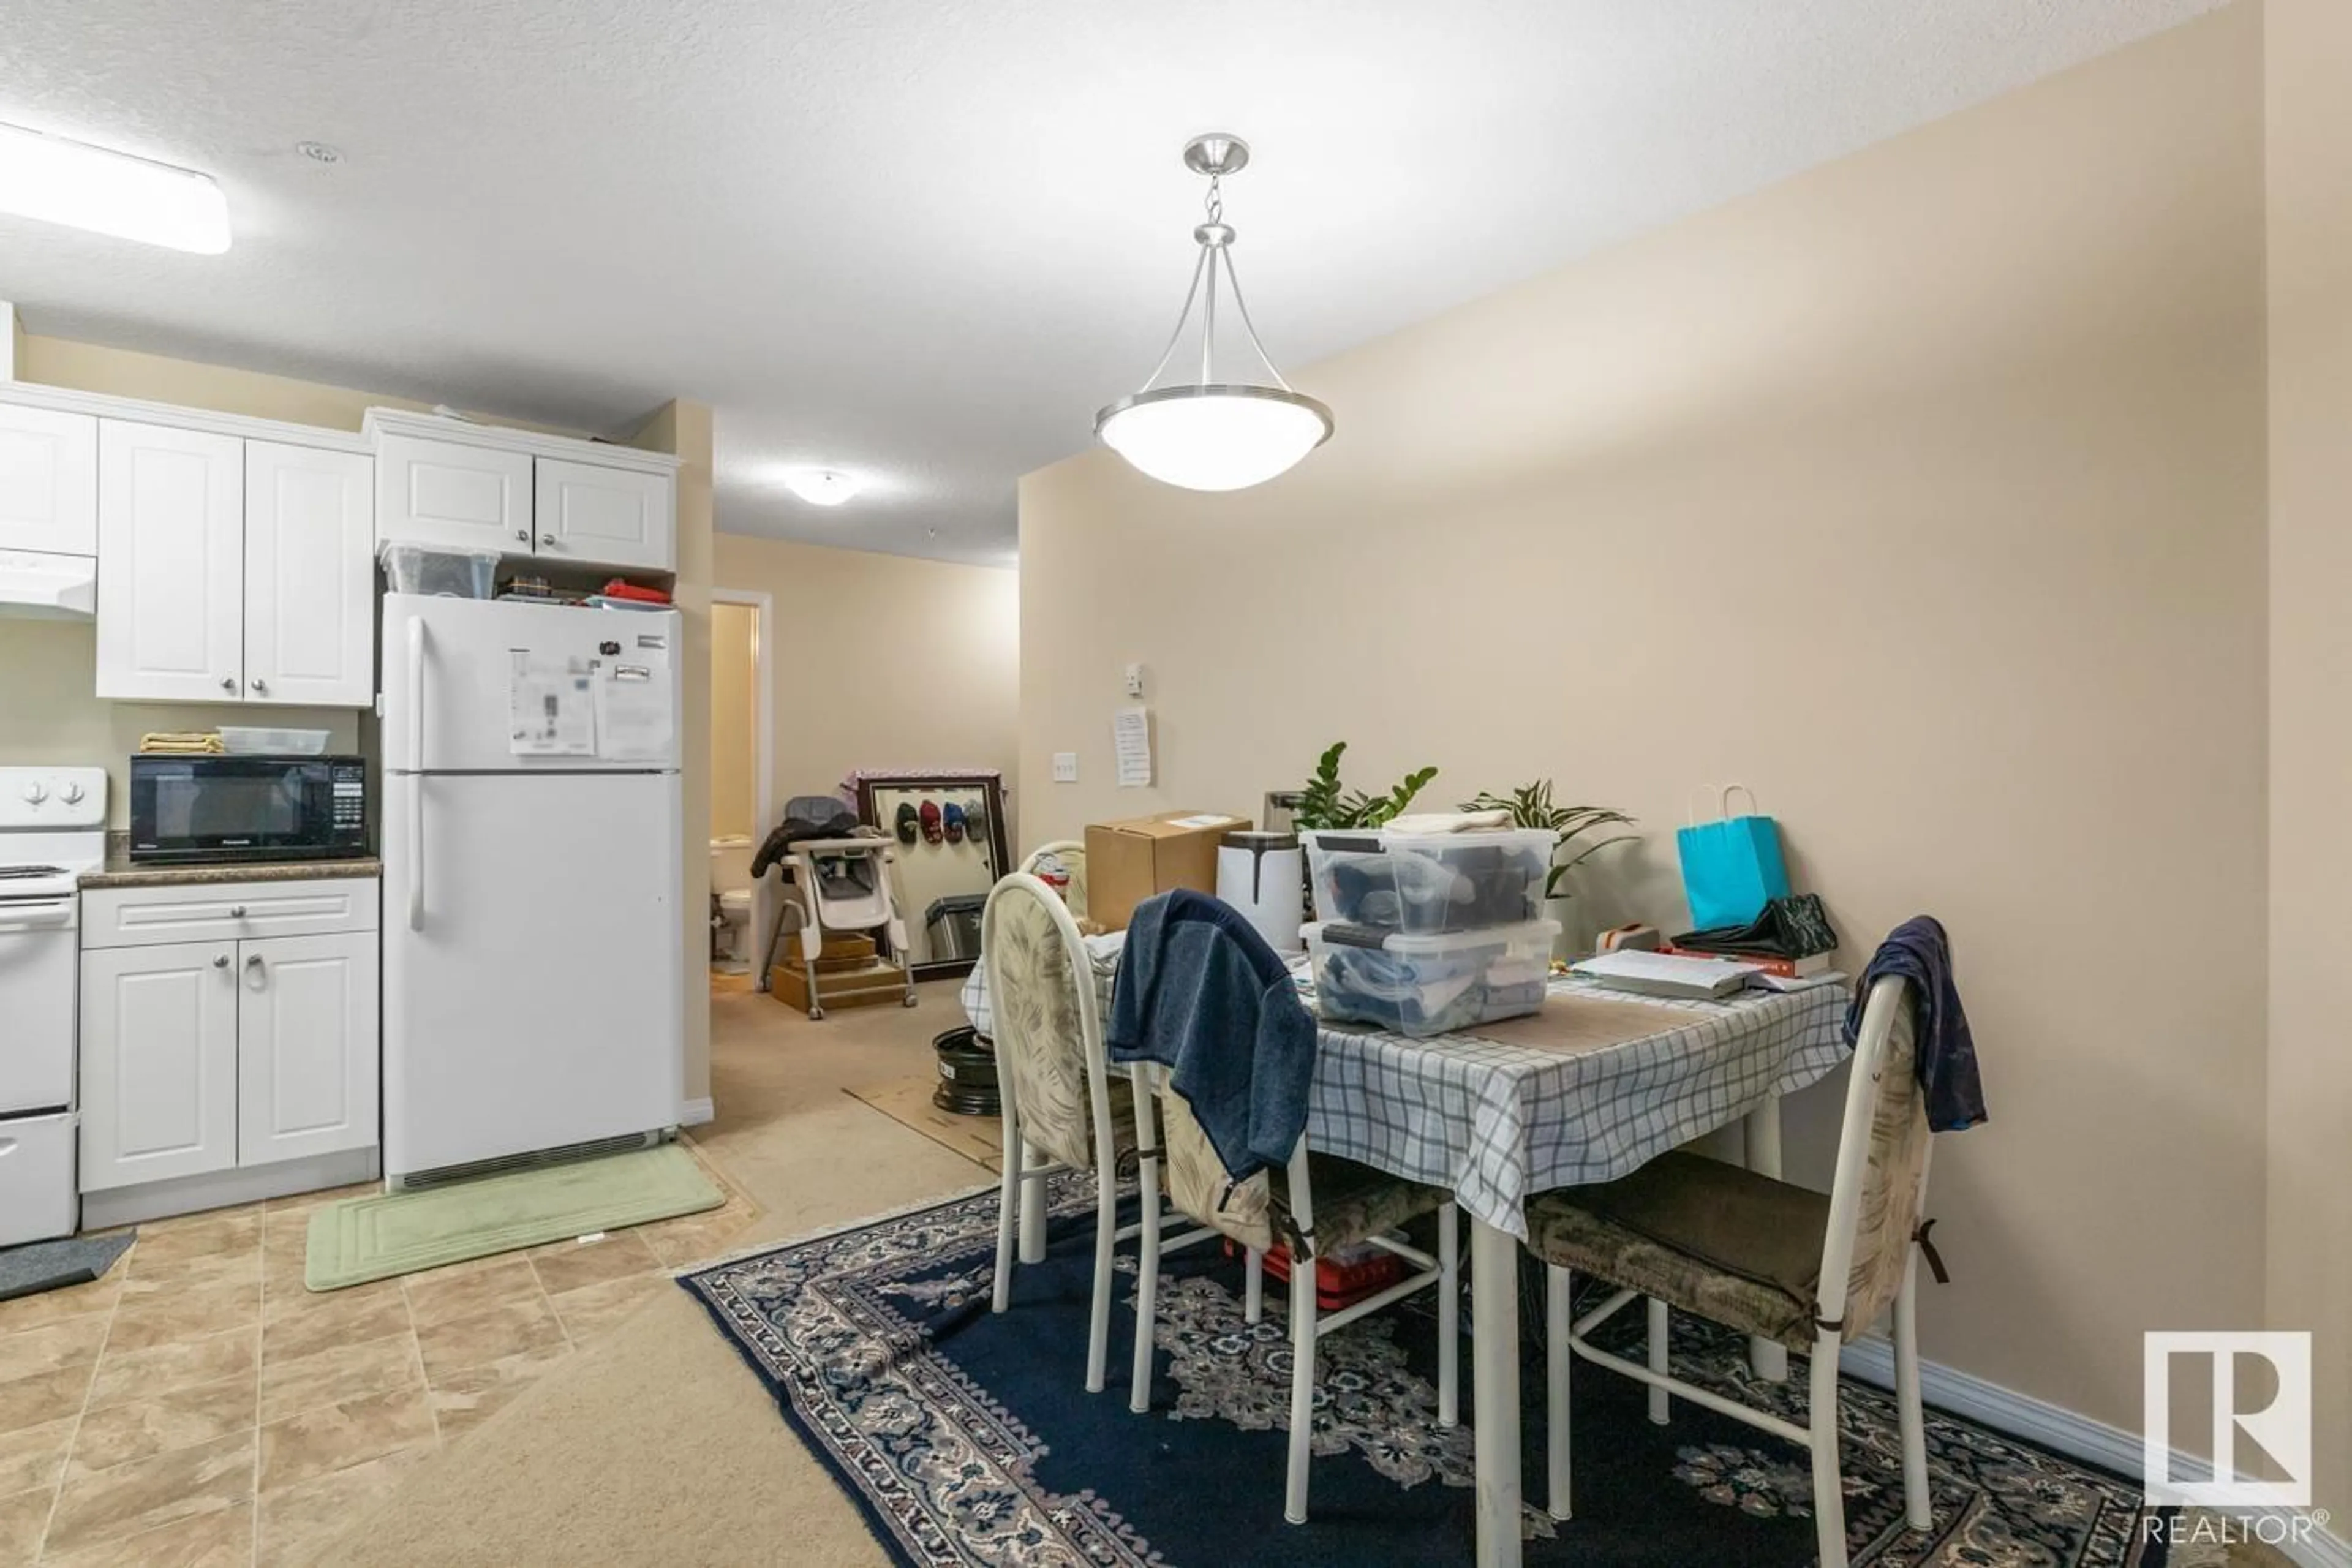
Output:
(119, 872)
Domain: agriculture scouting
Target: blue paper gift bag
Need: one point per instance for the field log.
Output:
(1731, 867)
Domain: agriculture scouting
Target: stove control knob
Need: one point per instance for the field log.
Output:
(35, 793)
(70, 794)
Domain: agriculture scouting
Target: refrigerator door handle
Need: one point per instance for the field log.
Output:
(416, 760)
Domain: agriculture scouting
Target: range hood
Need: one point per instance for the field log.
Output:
(57, 587)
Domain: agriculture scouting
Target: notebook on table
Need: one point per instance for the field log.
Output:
(1667, 974)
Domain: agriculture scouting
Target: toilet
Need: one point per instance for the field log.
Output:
(730, 878)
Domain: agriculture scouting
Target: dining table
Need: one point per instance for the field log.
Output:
(1595, 1085)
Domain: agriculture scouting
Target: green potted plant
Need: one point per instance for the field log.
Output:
(1530, 806)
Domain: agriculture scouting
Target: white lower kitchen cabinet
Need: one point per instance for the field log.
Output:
(158, 1063)
(233, 1065)
(306, 1046)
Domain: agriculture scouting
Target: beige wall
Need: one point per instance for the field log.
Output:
(883, 661)
(684, 428)
(2310, 254)
(734, 720)
(1923, 492)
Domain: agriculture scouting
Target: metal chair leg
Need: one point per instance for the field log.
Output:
(1449, 1317)
(1918, 1509)
(1662, 1333)
(1302, 1385)
(1829, 1492)
(1559, 1295)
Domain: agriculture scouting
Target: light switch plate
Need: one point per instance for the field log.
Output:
(1066, 767)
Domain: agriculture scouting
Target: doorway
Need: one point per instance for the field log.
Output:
(742, 708)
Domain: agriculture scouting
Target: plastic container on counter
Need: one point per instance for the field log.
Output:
(442, 574)
(1423, 985)
(1429, 884)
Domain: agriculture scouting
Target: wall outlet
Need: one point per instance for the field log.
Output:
(1135, 680)
(1066, 767)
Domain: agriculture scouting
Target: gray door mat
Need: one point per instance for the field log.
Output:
(41, 1266)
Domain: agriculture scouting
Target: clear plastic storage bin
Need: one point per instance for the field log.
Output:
(1429, 985)
(444, 573)
(1430, 883)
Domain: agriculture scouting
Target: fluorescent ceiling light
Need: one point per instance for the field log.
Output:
(81, 186)
(822, 487)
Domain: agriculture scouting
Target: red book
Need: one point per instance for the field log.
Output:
(1787, 968)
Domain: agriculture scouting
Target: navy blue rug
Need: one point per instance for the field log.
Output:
(967, 1438)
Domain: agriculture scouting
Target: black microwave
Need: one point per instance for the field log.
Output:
(223, 808)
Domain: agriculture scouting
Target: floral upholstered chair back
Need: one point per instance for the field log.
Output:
(1894, 1179)
(1048, 1031)
(1197, 1183)
(1071, 856)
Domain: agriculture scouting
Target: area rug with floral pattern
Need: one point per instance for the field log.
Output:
(967, 1436)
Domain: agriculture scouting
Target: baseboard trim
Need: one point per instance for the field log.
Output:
(694, 1113)
(2062, 1431)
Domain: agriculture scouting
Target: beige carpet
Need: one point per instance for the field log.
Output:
(657, 1445)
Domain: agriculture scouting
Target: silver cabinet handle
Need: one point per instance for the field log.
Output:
(228, 683)
(522, 536)
(221, 962)
(547, 538)
(260, 685)
(237, 912)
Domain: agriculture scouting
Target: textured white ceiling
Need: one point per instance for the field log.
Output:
(920, 240)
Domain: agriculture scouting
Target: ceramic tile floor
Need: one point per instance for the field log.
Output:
(199, 1406)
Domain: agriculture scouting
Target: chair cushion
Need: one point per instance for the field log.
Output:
(1733, 1247)
(1353, 1202)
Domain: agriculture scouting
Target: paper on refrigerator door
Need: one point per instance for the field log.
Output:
(633, 718)
(552, 708)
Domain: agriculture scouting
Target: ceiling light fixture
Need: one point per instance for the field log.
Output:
(1211, 434)
(822, 487)
(82, 186)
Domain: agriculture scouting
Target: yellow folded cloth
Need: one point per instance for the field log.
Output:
(184, 743)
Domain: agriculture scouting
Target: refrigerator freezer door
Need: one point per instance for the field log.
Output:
(533, 985)
(465, 681)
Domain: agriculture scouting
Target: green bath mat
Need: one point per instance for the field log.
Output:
(385, 1233)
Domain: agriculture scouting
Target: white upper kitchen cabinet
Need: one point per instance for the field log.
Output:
(310, 576)
(306, 1046)
(609, 517)
(452, 495)
(170, 563)
(158, 1063)
(49, 480)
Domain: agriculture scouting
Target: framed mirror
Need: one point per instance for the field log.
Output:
(950, 849)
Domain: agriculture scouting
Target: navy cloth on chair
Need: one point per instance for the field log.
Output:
(1200, 993)
(1918, 952)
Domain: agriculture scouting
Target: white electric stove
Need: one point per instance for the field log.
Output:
(52, 829)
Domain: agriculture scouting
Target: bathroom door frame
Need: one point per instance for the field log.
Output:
(763, 750)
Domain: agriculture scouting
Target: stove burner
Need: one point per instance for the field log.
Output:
(23, 873)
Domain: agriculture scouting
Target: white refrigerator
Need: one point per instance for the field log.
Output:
(533, 950)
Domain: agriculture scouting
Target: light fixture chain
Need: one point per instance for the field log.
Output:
(1216, 199)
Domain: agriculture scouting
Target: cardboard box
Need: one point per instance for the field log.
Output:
(1127, 862)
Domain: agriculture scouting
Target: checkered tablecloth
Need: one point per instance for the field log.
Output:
(1497, 1123)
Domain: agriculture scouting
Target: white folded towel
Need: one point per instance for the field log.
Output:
(1449, 822)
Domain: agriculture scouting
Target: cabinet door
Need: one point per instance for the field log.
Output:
(452, 496)
(607, 517)
(306, 1046)
(48, 482)
(170, 563)
(158, 1063)
(310, 576)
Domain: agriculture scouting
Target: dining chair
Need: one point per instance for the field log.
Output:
(1809, 1270)
(1318, 1205)
(1055, 1083)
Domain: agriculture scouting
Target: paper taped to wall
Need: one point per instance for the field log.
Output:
(1130, 734)
(549, 702)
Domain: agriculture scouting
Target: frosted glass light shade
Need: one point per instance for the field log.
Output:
(1214, 437)
(71, 183)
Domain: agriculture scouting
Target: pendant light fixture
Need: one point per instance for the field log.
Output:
(1212, 435)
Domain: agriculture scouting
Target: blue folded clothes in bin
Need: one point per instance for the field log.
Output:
(1423, 985)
